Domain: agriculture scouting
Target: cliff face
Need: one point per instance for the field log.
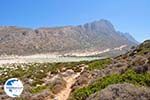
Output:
(98, 35)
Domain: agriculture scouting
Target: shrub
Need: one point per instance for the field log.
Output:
(130, 76)
(98, 64)
(37, 89)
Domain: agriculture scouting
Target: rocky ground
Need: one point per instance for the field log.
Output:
(125, 77)
(42, 81)
(123, 91)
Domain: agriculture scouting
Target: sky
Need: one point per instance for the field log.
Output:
(131, 16)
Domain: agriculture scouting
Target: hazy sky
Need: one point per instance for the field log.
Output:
(131, 16)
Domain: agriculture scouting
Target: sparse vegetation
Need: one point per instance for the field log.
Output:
(57, 85)
(38, 89)
(35, 71)
(130, 77)
(98, 64)
(144, 48)
(132, 67)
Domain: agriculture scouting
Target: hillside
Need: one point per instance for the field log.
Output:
(91, 37)
(125, 77)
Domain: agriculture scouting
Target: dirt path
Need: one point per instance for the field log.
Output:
(64, 94)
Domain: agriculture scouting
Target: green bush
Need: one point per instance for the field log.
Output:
(98, 64)
(130, 77)
(37, 89)
(144, 47)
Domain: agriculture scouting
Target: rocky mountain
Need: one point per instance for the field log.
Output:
(130, 38)
(94, 36)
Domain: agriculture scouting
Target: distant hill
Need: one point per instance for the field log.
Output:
(94, 36)
(130, 38)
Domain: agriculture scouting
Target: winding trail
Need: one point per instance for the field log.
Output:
(64, 94)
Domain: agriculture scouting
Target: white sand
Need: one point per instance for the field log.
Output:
(41, 58)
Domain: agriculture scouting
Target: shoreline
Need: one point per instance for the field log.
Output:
(45, 59)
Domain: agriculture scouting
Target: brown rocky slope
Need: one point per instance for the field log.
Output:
(94, 36)
(126, 77)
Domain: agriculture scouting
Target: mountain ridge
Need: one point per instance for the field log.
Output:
(93, 36)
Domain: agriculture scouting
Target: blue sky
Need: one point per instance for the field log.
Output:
(131, 16)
